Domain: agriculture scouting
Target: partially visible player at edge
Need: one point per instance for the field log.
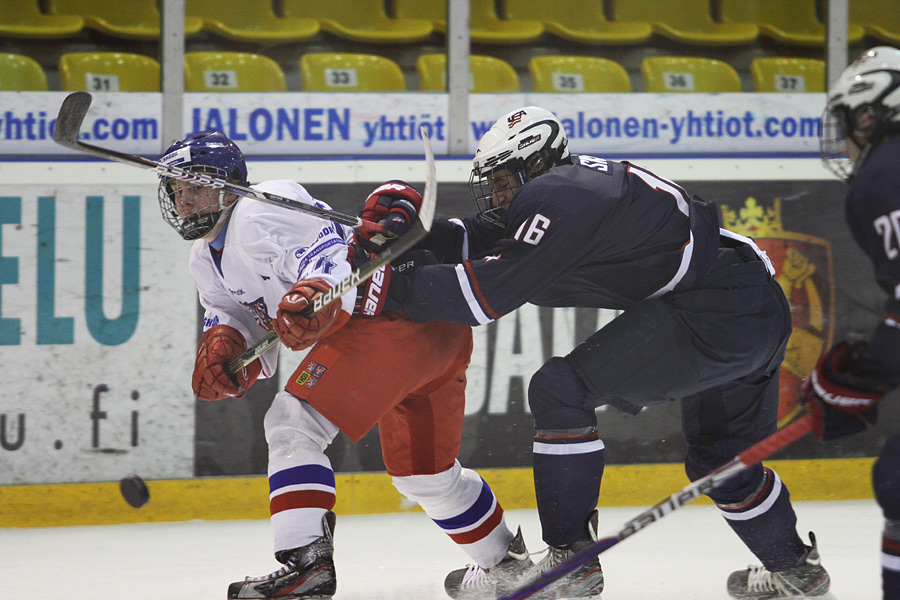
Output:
(860, 143)
(704, 322)
(256, 266)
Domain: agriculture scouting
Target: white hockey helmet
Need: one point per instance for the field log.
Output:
(525, 143)
(863, 108)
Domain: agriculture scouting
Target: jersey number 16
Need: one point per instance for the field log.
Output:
(537, 227)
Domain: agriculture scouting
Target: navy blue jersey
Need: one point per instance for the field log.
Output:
(872, 209)
(596, 233)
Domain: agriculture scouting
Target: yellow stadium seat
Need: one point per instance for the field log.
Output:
(788, 74)
(231, 72)
(19, 73)
(360, 21)
(577, 74)
(786, 21)
(254, 22)
(327, 72)
(490, 29)
(134, 20)
(879, 19)
(24, 19)
(685, 21)
(581, 21)
(487, 74)
(485, 27)
(108, 72)
(680, 74)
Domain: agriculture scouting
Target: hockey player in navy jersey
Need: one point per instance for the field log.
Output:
(860, 143)
(704, 322)
(256, 267)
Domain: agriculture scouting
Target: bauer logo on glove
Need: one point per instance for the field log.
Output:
(840, 401)
(375, 292)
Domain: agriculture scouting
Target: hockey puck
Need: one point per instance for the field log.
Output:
(134, 490)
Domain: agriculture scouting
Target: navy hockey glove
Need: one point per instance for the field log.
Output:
(219, 346)
(384, 290)
(395, 205)
(840, 402)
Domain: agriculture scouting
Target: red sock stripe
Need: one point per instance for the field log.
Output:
(890, 547)
(562, 435)
(757, 499)
(480, 532)
(301, 499)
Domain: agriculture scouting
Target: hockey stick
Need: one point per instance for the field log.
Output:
(68, 124)
(412, 237)
(749, 457)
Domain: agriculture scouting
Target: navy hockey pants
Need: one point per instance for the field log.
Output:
(717, 349)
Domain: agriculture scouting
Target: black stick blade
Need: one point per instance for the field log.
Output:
(71, 115)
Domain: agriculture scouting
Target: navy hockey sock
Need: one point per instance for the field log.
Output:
(886, 479)
(890, 560)
(568, 467)
(767, 524)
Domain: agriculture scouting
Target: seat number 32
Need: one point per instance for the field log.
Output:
(532, 230)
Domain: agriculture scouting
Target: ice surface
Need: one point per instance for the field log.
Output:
(687, 555)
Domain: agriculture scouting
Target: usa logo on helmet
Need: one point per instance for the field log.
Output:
(515, 118)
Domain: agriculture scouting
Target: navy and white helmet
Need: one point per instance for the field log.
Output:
(208, 152)
(863, 108)
(525, 143)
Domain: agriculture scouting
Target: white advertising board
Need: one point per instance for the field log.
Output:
(97, 334)
(297, 124)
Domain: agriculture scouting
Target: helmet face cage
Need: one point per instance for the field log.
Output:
(210, 153)
(520, 146)
(504, 177)
(863, 108)
(834, 135)
(212, 204)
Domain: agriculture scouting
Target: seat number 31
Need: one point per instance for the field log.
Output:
(532, 230)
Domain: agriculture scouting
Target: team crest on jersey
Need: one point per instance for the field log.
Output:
(260, 312)
(311, 374)
(805, 270)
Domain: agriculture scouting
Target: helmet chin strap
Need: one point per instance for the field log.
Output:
(864, 152)
(224, 215)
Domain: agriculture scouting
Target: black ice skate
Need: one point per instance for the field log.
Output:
(475, 583)
(584, 582)
(308, 572)
(806, 579)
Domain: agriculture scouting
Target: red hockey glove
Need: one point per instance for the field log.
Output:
(218, 347)
(396, 206)
(298, 332)
(841, 403)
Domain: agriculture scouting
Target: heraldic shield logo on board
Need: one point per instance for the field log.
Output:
(805, 270)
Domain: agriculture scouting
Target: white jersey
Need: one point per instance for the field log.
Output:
(267, 248)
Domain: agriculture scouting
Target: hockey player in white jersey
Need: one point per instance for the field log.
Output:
(256, 267)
